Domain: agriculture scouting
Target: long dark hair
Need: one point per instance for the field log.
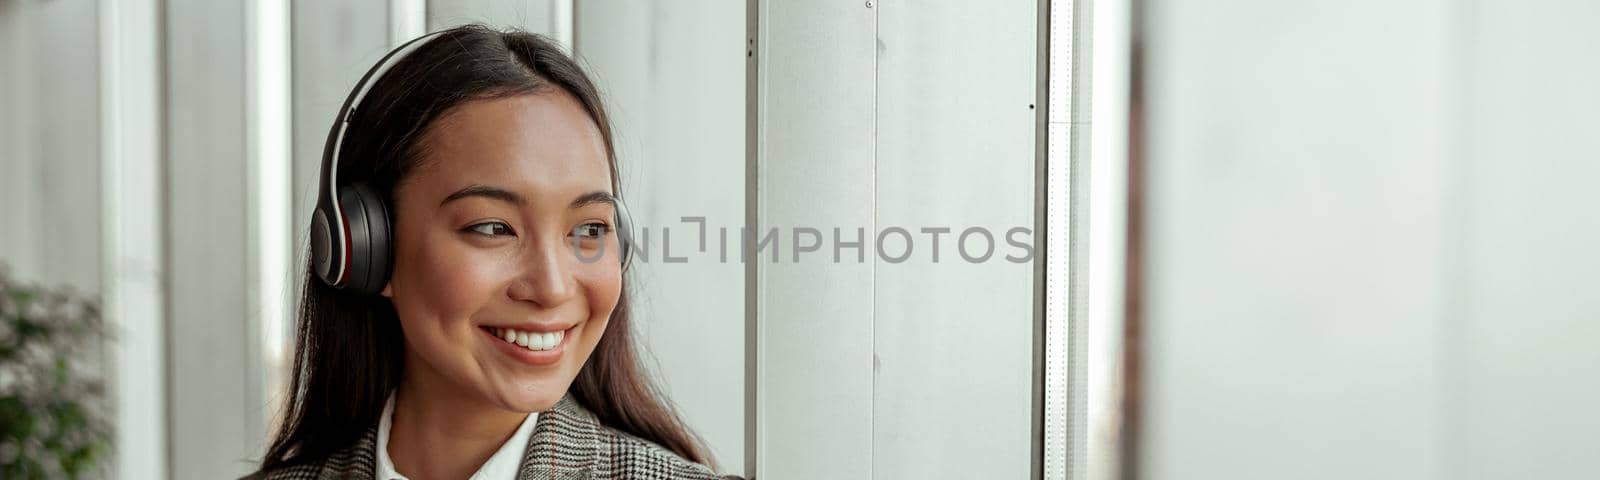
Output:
(351, 352)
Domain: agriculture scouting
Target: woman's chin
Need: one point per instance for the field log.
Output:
(535, 396)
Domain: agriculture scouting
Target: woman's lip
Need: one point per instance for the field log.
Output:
(530, 357)
(532, 327)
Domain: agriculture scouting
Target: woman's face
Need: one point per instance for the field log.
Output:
(497, 233)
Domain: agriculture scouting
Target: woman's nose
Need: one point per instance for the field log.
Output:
(546, 277)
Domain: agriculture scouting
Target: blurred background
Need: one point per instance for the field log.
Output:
(1272, 238)
(1357, 239)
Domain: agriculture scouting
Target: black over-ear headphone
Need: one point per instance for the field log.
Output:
(350, 235)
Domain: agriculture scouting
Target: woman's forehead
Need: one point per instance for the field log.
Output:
(538, 143)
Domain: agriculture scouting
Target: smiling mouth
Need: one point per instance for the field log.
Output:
(534, 341)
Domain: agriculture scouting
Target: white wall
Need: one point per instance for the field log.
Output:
(133, 222)
(1521, 358)
(1369, 240)
(128, 163)
(58, 201)
(956, 148)
(216, 423)
(553, 18)
(815, 161)
(50, 142)
(875, 115)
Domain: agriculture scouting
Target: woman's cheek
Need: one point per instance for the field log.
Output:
(457, 277)
(603, 286)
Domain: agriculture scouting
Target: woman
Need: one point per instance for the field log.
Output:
(482, 331)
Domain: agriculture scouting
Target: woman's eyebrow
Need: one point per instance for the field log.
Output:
(485, 191)
(592, 198)
(501, 194)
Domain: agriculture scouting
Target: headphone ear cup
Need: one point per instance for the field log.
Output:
(367, 217)
(323, 251)
(624, 224)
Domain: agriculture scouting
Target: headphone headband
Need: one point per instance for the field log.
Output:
(333, 260)
(354, 100)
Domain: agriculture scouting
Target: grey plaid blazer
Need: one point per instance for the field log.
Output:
(568, 443)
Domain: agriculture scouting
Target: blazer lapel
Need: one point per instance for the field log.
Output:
(563, 445)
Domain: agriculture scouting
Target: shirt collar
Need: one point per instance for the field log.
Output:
(501, 466)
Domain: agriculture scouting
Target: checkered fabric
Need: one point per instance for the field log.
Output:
(568, 443)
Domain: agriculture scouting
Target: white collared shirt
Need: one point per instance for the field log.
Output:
(501, 466)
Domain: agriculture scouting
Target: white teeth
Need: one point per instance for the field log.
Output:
(530, 340)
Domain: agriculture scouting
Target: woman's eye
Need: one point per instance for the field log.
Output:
(491, 229)
(591, 230)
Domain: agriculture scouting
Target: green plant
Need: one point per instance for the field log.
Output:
(52, 399)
